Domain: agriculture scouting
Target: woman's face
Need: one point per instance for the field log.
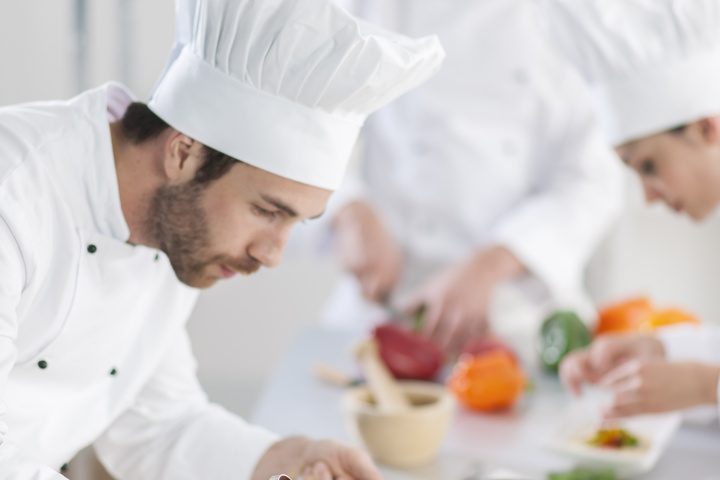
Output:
(680, 168)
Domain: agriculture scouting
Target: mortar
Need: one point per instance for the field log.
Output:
(403, 438)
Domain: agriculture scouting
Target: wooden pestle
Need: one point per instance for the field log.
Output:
(385, 389)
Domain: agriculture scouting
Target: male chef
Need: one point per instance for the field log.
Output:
(112, 213)
(489, 185)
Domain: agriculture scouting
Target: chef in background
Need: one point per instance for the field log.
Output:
(490, 182)
(113, 213)
(654, 68)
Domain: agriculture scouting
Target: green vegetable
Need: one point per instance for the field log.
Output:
(583, 474)
(561, 333)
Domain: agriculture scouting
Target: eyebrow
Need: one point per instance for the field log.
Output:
(279, 204)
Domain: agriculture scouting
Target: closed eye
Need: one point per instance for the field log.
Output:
(263, 212)
(647, 167)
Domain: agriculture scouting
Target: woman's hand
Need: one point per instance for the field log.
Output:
(606, 353)
(644, 386)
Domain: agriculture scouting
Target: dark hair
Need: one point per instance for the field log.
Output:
(215, 165)
(140, 124)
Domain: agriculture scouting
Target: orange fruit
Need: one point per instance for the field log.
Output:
(667, 317)
(488, 381)
(626, 316)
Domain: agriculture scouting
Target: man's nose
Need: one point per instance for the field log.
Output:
(269, 250)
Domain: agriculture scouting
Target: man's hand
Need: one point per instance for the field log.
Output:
(644, 386)
(456, 300)
(606, 353)
(367, 250)
(315, 460)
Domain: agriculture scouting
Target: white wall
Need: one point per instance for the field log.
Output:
(35, 50)
(38, 47)
(242, 328)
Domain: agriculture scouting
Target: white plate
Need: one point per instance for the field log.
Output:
(654, 432)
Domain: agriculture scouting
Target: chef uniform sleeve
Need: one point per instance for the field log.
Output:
(692, 343)
(14, 463)
(555, 229)
(172, 432)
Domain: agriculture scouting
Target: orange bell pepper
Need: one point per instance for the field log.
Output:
(638, 315)
(667, 317)
(626, 316)
(488, 381)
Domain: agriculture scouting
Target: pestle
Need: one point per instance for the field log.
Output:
(385, 389)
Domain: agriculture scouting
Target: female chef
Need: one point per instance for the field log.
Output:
(654, 68)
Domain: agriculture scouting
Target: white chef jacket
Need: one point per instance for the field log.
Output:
(692, 343)
(499, 148)
(93, 346)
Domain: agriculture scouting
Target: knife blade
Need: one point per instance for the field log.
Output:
(395, 315)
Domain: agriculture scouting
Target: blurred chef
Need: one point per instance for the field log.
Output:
(654, 69)
(112, 211)
(494, 171)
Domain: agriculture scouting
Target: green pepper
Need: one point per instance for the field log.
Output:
(561, 333)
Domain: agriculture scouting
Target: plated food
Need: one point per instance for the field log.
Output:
(630, 448)
(617, 438)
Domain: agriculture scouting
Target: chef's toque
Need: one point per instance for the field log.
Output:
(285, 85)
(652, 64)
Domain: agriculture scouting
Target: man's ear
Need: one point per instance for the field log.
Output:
(177, 152)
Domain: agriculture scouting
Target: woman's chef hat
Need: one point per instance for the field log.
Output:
(285, 85)
(652, 64)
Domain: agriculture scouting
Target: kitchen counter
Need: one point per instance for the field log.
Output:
(295, 402)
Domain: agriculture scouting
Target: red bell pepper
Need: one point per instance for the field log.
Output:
(408, 355)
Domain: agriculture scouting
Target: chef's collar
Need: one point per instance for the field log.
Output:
(103, 185)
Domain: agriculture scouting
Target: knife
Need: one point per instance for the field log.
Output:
(415, 320)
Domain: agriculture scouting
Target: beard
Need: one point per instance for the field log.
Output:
(177, 222)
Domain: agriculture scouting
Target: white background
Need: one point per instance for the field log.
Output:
(241, 328)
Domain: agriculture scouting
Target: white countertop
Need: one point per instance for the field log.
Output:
(294, 402)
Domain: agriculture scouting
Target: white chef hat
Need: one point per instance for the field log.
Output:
(652, 64)
(285, 85)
